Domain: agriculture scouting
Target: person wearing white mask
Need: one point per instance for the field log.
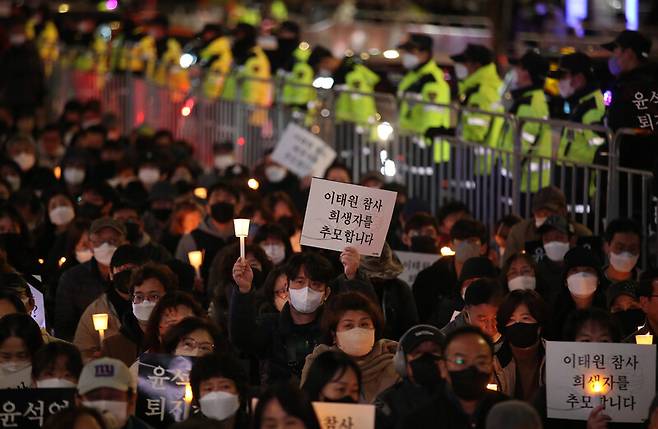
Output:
(81, 285)
(545, 202)
(148, 284)
(219, 389)
(353, 323)
(556, 239)
(149, 173)
(274, 240)
(56, 365)
(623, 242)
(520, 272)
(60, 212)
(580, 288)
(108, 386)
(224, 165)
(271, 337)
(20, 338)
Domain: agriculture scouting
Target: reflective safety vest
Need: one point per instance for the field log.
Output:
(481, 90)
(297, 88)
(580, 145)
(358, 108)
(46, 42)
(535, 140)
(165, 70)
(251, 78)
(216, 58)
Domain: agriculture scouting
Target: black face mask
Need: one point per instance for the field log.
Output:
(132, 232)
(121, 281)
(343, 400)
(522, 335)
(222, 212)
(161, 214)
(629, 320)
(425, 371)
(89, 211)
(423, 244)
(469, 384)
(288, 224)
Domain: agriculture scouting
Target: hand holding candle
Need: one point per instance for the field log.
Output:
(188, 400)
(196, 260)
(100, 324)
(241, 227)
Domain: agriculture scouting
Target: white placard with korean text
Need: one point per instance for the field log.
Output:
(340, 215)
(582, 376)
(302, 152)
(414, 263)
(336, 415)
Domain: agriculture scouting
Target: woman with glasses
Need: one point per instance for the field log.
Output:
(194, 337)
(148, 284)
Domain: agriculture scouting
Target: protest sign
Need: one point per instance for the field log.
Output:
(161, 388)
(348, 416)
(30, 408)
(39, 311)
(340, 215)
(302, 152)
(21, 379)
(413, 264)
(582, 376)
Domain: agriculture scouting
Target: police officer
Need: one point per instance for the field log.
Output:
(529, 102)
(290, 63)
(584, 104)
(424, 81)
(287, 52)
(162, 54)
(215, 59)
(354, 79)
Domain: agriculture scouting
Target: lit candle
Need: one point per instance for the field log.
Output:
(201, 193)
(100, 324)
(492, 386)
(646, 339)
(62, 260)
(447, 251)
(57, 172)
(196, 260)
(242, 231)
(188, 401)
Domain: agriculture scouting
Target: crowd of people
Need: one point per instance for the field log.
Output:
(100, 222)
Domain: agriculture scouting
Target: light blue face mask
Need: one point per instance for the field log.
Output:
(613, 66)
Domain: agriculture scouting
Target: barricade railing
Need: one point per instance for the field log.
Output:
(492, 181)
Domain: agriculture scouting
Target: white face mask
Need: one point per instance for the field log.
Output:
(623, 262)
(74, 176)
(522, 283)
(356, 342)
(14, 181)
(555, 250)
(25, 160)
(83, 255)
(143, 310)
(61, 215)
(305, 300)
(219, 405)
(223, 162)
(565, 88)
(539, 221)
(279, 303)
(276, 252)
(275, 174)
(104, 253)
(115, 413)
(461, 71)
(14, 366)
(409, 61)
(55, 383)
(582, 285)
(148, 175)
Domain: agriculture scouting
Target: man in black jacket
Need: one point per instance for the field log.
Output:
(282, 341)
(464, 401)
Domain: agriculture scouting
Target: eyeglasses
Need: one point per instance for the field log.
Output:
(139, 298)
(190, 344)
(301, 282)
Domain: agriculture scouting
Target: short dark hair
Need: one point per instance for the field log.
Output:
(190, 324)
(339, 166)
(170, 300)
(269, 283)
(317, 267)
(324, 369)
(513, 258)
(23, 327)
(46, 357)
(484, 291)
(293, 401)
(578, 318)
(276, 231)
(622, 225)
(224, 187)
(530, 298)
(420, 220)
(468, 228)
(13, 299)
(346, 301)
(449, 208)
(468, 330)
(218, 365)
(153, 270)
